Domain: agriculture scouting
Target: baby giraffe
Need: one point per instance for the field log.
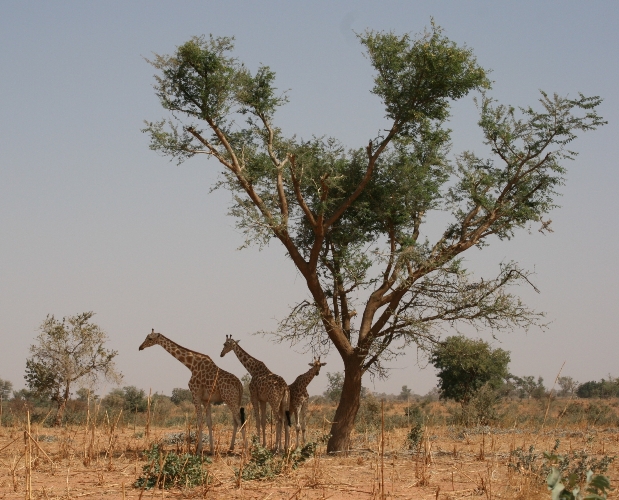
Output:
(299, 396)
(208, 384)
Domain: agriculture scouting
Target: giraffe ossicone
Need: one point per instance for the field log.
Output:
(208, 384)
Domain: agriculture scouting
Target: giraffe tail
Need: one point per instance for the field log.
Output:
(242, 415)
(287, 406)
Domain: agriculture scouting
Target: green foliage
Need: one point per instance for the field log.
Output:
(480, 409)
(575, 465)
(335, 382)
(68, 351)
(416, 79)
(264, 464)
(527, 387)
(415, 436)
(602, 389)
(350, 219)
(129, 398)
(405, 393)
(179, 395)
(84, 394)
(135, 399)
(169, 470)
(568, 386)
(6, 387)
(245, 380)
(369, 415)
(597, 487)
(466, 365)
(578, 464)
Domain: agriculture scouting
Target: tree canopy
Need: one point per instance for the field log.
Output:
(465, 365)
(352, 220)
(68, 352)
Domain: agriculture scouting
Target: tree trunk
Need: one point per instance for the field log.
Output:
(60, 413)
(61, 406)
(347, 409)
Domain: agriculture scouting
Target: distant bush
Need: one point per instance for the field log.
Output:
(129, 398)
(602, 389)
(179, 395)
(6, 387)
(466, 365)
(334, 387)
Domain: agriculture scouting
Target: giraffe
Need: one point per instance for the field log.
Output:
(208, 384)
(265, 387)
(299, 396)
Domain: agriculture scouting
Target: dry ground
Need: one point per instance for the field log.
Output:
(104, 462)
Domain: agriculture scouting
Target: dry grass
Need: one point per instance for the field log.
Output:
(103, 460)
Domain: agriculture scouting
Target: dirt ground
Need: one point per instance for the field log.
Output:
(104, 462)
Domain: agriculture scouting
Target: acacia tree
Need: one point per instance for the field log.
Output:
(66, 352)
(351, 220)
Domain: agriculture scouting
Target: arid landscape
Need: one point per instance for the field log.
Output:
(104, 457)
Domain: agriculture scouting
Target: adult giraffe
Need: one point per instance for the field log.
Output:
(265, 387)
(208, 384)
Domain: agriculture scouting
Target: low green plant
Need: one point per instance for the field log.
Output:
(597, 486)
(168, 470)
(264, 464)
(574, 465)
(415, 436)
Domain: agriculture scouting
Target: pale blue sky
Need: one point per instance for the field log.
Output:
(91, 219)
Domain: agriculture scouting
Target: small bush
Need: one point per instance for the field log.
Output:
(167, 469)
(264, 464)
(179, 395)
(574, 464)
(481, 409)
(415, 436)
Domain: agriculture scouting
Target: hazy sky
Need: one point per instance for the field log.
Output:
(91, 219)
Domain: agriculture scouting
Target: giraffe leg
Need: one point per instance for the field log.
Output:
(209, 423)
(297, 424)
(199, 424)
(286, 432)
(303, 416)
(256, 404)
(236, 421)
(263, 422)
(278, 425)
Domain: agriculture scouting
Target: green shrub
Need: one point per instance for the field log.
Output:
(575, 464)
(167, 469)
(597, 486)
(602, 389)
(415, 436)
(264, 464)
(179, 395)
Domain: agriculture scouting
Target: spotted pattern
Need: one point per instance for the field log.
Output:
(299, 397)
(265, 387)
(208, 384)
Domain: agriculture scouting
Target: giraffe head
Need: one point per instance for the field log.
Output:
(151, 339)
(228, 345)
(317, 364)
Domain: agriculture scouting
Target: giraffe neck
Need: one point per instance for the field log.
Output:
(251, 364)
(304, 379)
(184, 355)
